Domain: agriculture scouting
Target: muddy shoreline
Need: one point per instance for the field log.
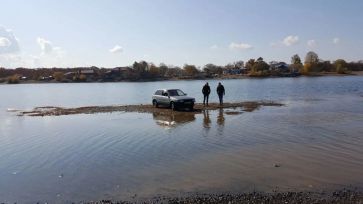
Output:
(340, 196)
(247, 106)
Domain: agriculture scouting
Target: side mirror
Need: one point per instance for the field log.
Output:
(185, 94)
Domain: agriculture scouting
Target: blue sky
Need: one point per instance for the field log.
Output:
(109, 33)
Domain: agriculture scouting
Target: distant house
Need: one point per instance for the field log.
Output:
(234, 71)
(23, 78)
(124, 71)
(279, 66)
(87, 72)
(69, 75)
(90, 74)
(118, 73)
(46, 78)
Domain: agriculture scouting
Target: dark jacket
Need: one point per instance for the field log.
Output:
(206, 89)
(220, 90)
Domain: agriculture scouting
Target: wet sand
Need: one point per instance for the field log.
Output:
(247, 106)
(340, 196)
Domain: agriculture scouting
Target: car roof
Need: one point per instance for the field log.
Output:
(167, 89)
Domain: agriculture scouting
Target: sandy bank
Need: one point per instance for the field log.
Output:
(341, 196)
(247, 106)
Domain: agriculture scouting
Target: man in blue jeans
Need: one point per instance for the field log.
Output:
(220, 92)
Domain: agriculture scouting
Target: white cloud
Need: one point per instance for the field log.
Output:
(46, 46)
(116, 49)
(213, 47)
(336, 41)
(240, 46)
(50, 55)
(8, 42)
(290, 40)
(4, 42)
(311, 43)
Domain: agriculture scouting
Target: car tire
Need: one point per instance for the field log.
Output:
(155, 104)
(191, 108)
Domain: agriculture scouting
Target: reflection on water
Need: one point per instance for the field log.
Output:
(220, 118)
(316, 142)
(173, 119)
(206, 119)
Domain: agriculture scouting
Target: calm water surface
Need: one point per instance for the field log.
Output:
(317, 140)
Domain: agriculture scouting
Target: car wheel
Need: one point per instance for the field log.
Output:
(172, 106)
(155, 104)
(191, 108)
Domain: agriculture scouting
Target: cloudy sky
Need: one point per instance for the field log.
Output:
(109, 33)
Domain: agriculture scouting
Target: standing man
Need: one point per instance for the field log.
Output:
(206, 92)
(220, 92)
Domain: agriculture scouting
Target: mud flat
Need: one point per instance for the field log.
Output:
(341, 196)
(247, 106)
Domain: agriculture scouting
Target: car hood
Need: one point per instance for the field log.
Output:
(182, 98)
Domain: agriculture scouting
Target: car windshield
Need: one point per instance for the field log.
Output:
(176, 92)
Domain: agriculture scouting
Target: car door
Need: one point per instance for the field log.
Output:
(158, 96)
(165, 98)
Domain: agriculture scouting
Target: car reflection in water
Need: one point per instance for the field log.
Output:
(173, 119)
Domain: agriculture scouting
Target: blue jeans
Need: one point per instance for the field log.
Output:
(206, 97)
(220, 99)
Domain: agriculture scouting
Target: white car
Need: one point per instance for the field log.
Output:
(173, 98)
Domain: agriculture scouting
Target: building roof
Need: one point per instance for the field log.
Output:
(87, 71)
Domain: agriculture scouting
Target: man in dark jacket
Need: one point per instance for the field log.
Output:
(220, 92)
(206, 92)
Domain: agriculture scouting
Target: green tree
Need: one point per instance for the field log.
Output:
(311, 58)
(190, 70)
(154, 71)
(295, 59)
(296, 65)
(14, 79)
(239, 64)
(341, 66)
(311, 62)
(141, 68)
(212, 69)
(163, 68)
(250, 63)
(260, 65)
(58, 76)
(260, 59)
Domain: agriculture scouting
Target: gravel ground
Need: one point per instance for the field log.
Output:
(341, 196)
(198, 108)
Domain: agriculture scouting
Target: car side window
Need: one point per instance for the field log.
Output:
(158, 92)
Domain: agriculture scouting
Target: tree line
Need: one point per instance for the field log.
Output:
(143, 70)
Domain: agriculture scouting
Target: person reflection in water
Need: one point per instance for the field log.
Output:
(220, 117)
(206, 119)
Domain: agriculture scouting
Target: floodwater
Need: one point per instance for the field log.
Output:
(314, 142)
